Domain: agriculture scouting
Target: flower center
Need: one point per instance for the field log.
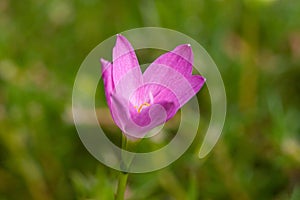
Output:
(140, 108)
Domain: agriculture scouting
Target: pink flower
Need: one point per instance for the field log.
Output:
(139, 102)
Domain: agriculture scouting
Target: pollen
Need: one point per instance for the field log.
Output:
(140, 108)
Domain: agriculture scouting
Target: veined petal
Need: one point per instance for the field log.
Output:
(173, 70)
(183, 87)
(180, 59)
(125, 60)
(107, 79)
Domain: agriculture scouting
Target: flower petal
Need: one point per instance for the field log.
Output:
(107, 79)
(181, 59)
(125, 60)
(183, 87)
(173, 70)
(119, 110)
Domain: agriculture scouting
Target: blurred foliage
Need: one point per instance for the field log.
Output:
(256, 45)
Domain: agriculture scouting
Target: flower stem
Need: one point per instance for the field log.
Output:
(123, 176)
(121, 185)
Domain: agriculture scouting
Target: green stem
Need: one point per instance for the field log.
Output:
(123, 176)
(121, 186)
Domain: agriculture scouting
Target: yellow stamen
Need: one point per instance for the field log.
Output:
(139, 109)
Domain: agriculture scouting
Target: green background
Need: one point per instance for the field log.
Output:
(255, 44)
